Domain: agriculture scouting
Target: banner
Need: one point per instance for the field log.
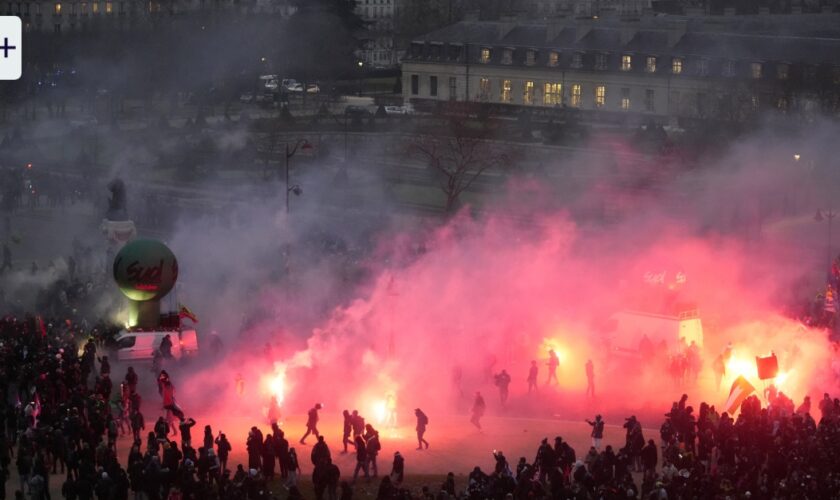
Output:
(741, 389)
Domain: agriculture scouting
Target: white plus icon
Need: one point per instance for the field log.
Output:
(11, 33)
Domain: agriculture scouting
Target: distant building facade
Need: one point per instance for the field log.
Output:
(672, 68)
(379, 48)
(77, 15)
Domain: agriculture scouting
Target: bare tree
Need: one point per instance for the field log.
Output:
(460, 159)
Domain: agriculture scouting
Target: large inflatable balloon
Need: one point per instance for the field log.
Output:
(145, 270)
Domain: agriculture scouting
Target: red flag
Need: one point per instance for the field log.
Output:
(41, 327)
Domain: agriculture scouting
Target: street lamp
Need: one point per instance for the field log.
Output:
(303, 145)
(361, 65)
(828, 216)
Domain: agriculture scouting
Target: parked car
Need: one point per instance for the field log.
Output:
(397, 110)
(357, 112)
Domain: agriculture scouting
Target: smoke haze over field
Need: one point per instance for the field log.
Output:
(492, 291)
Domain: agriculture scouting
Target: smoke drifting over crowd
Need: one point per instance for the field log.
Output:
(446, 306)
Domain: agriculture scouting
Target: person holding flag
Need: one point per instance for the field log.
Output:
(185, 312)
(741, 389)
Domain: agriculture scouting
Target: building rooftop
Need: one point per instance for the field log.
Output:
(805, 38)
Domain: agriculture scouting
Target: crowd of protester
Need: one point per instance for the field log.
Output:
(64, 411)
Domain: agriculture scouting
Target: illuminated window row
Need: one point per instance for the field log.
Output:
(84, 8)
(651, 63)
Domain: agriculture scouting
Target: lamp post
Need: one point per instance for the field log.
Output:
(304, 145)
(361, 65)
(828, 216)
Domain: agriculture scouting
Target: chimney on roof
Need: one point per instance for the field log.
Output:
(676, 32)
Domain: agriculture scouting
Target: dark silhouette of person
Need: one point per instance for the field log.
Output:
(422, 422)
(320, 452)
(502, 380)
(254, 445)
(186, 431)
(166, 347)
(398, 469)
(532, 377)
(281, 445)
(131, 380)
(311, 423)
(478, 408)
(358, 423)
(346, 430)
(553, 363)
(597, 432)
(223, 450)
(268, 458)
(361, 459)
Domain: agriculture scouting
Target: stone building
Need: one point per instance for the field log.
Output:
(665, 67)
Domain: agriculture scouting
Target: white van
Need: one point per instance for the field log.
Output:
(632, 326)
(141, 345)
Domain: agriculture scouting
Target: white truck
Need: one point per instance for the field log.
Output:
(134, 345)
(632, 326)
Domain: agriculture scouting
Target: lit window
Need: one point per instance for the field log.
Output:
(600, 96)
(626, 63)
(575, 101)
(83, 8)
(600, 61)
(485, 56)
(58, 9)
(530, 57)
(553, 94)
(755, 70)
(782, 71)
(95, 7)
(506, 91)
(553, 58)
(649, 101)
(484, 89)
(577, 60)
(676, 65)
(625, 99)
(754, 102)
(507, 56)
(650, 64)
(109, 7)
(782, 104)
(528, 94)
(703, 67)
